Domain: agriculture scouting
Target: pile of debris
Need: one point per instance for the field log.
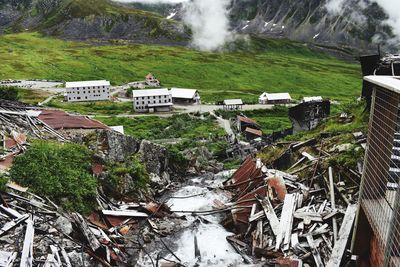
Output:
(281, 218)
(36, 232)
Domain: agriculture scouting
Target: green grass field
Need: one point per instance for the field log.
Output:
(273, 66)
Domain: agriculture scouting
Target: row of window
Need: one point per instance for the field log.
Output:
(84, 92)
(79, 98)
(159, 101)
(154, 97)
(89, 87)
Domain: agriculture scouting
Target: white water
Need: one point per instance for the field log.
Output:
(211, 237)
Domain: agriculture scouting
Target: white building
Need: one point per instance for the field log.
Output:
(185, 96)
(312, 99)
(87, 91)
(277, 98)
(152, 100)
(233, 104)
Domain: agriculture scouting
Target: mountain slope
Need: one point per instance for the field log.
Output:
(309, 20)
(89, 19)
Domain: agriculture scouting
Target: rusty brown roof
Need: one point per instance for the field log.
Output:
(246, 120)
(253, 131)
(58, 119)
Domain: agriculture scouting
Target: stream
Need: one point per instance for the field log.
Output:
(198, 194)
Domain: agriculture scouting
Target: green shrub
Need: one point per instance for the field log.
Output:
(3, 182)
(59, 171)
(9, 93)
(119, 171)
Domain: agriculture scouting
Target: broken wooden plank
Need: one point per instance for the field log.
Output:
(10, 225)
(314, 251)
(27, 250)
(125, 213)
(344, 233)
(333, 205)
(270, 214)
(286, 222)
(7, 258)
(88, 234)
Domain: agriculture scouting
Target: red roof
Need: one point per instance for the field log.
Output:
(246, 120)
(61, 120)
(253, 131)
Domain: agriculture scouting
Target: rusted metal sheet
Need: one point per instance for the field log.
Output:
(278, 184)
(247, 171)
(242, 216)
(286, 262)
(61, 120)
(7, 162)
(253, 131)
(97, 168)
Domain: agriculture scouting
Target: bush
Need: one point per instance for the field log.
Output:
(59, 171)
(9, 93)
(3, 182)
(133, 167)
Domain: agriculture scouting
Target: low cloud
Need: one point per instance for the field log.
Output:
(208, 19)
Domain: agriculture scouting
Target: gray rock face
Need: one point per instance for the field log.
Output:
(116, 146)
(154, 157)
(64, 225)
(309, 20)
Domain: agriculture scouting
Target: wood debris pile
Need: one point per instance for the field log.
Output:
(303, 216)
(36, 232)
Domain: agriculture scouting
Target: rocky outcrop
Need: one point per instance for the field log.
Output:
(155, 159)
(105, 20)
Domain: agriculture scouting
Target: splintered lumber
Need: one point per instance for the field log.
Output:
(27, 250)
(125, 213)
(314, 251)
(344, 233)
(10, 225)
(308, 215)
(7, 258)
(333, 205)
(89, 235)
(66, 258)
(308, 156)
(286, 222)
(270, 214)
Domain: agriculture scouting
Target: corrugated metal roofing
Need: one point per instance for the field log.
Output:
(150, 92)
(253, 131)
(57, 119)
(246, 120)
(233, 102)
(183, 93)
(87, 83)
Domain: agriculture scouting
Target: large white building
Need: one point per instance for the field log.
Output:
(276, 98)
(87, 91)
(152, 100)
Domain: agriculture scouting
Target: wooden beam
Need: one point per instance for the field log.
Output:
(27, 250)
(314, 251)
(333, 205)
(344, 233)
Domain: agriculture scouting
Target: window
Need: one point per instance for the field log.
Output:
(78, 98)
(85, 97)
(104, 91)
(69, 98)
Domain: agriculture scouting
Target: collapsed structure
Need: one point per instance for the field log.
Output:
(309, 113)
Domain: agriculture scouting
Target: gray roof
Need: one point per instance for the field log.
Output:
(233, 102)
(150, 92)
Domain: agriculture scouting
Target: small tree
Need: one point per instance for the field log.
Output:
(9, 93)
(59, 171)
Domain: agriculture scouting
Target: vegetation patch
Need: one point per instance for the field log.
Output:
(9, 93)
(119, 174)
(270, 120)
(59, 171)
(264, 65)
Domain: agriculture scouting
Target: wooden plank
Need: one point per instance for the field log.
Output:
(10, 225)
(270, 214)
(88, 234)
(314, 251)
(27, 250)
(286, 220)
(125, 213)
(65, 257)
(333, 205)
(7, 258)
(344, 233)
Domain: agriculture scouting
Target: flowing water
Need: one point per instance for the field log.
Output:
(210, 235)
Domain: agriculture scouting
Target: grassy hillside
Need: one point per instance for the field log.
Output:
(277, 66)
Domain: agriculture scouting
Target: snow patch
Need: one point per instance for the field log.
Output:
(245, 27)
(315, 36)
(171, 15)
